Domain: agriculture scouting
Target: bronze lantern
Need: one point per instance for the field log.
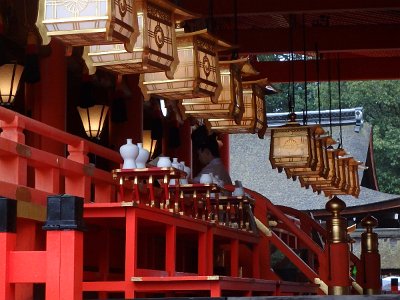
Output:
(254, 118)
(230, 101)
(197, 74)
(88, 22)
(155, 47)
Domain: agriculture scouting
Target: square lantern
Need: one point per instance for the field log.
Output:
(254, 118)
(155, 48)
(341, 185)
(333, 173)
(230, 101)
(351, 186)
(88, 22)
(322, 167)
(294, 146)
(197, 74)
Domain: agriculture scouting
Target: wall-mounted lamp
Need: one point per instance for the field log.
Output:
(10, 75)
(93, 119)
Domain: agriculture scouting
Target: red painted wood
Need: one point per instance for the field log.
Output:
(338, 256)
(234, 247)
(19, 271)
(170, 250)
(7, 244)
(130, 251)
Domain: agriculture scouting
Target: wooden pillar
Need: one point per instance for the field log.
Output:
(170, 250)
(337, 249)
(234, 258)
(64, 265)
(370, 258)
(131, 256)
(202, 253)
(8, 219)
(51, 95)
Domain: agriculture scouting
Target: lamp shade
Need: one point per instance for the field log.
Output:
(93, 119)
(322, 167)
(254, 118)
(230, 101)
(88, 22)
(294, 146)
(155, 47)
(10, 76)
(197, 74)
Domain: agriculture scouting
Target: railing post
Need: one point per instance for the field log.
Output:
(14, 169)
(8, 220)
(370, 258)
(64, 225)
(337, 249)
(79, 185)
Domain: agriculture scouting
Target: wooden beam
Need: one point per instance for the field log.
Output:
(328, 39)
(257, 7)
(386, 68)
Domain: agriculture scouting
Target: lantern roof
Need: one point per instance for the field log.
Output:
(220, 45)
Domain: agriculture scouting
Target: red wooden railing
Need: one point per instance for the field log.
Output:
(30, 174)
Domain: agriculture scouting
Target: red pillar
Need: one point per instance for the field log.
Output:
(8, 218)
(370, 258)
(50, 100)
(337, 250)
(64, 252)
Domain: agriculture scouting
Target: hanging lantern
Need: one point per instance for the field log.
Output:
(88, 22)
(10, 76)
(230, 101)
(155, 47)
(93, 119)
(350, 184)
(197, 74)
(333, 173)
(254, 118)
(322, 167)
(294, 146)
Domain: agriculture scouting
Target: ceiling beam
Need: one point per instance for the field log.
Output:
(257, 7)
(328, 39)
(387, 68)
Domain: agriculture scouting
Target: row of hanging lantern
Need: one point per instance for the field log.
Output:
(307, 153)
(130, 37)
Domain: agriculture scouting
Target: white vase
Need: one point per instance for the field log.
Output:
(164, 162)
(186, 169)
(206, 179)
(142, 157)
(129, 152)
(176, 164)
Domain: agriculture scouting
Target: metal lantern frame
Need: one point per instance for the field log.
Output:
(197, 74)
(93, 118)
(230, 101)
(10, 77)
(155, 47)
(88, 22)
(254, 118)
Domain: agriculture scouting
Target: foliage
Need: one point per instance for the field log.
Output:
(381, 103)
